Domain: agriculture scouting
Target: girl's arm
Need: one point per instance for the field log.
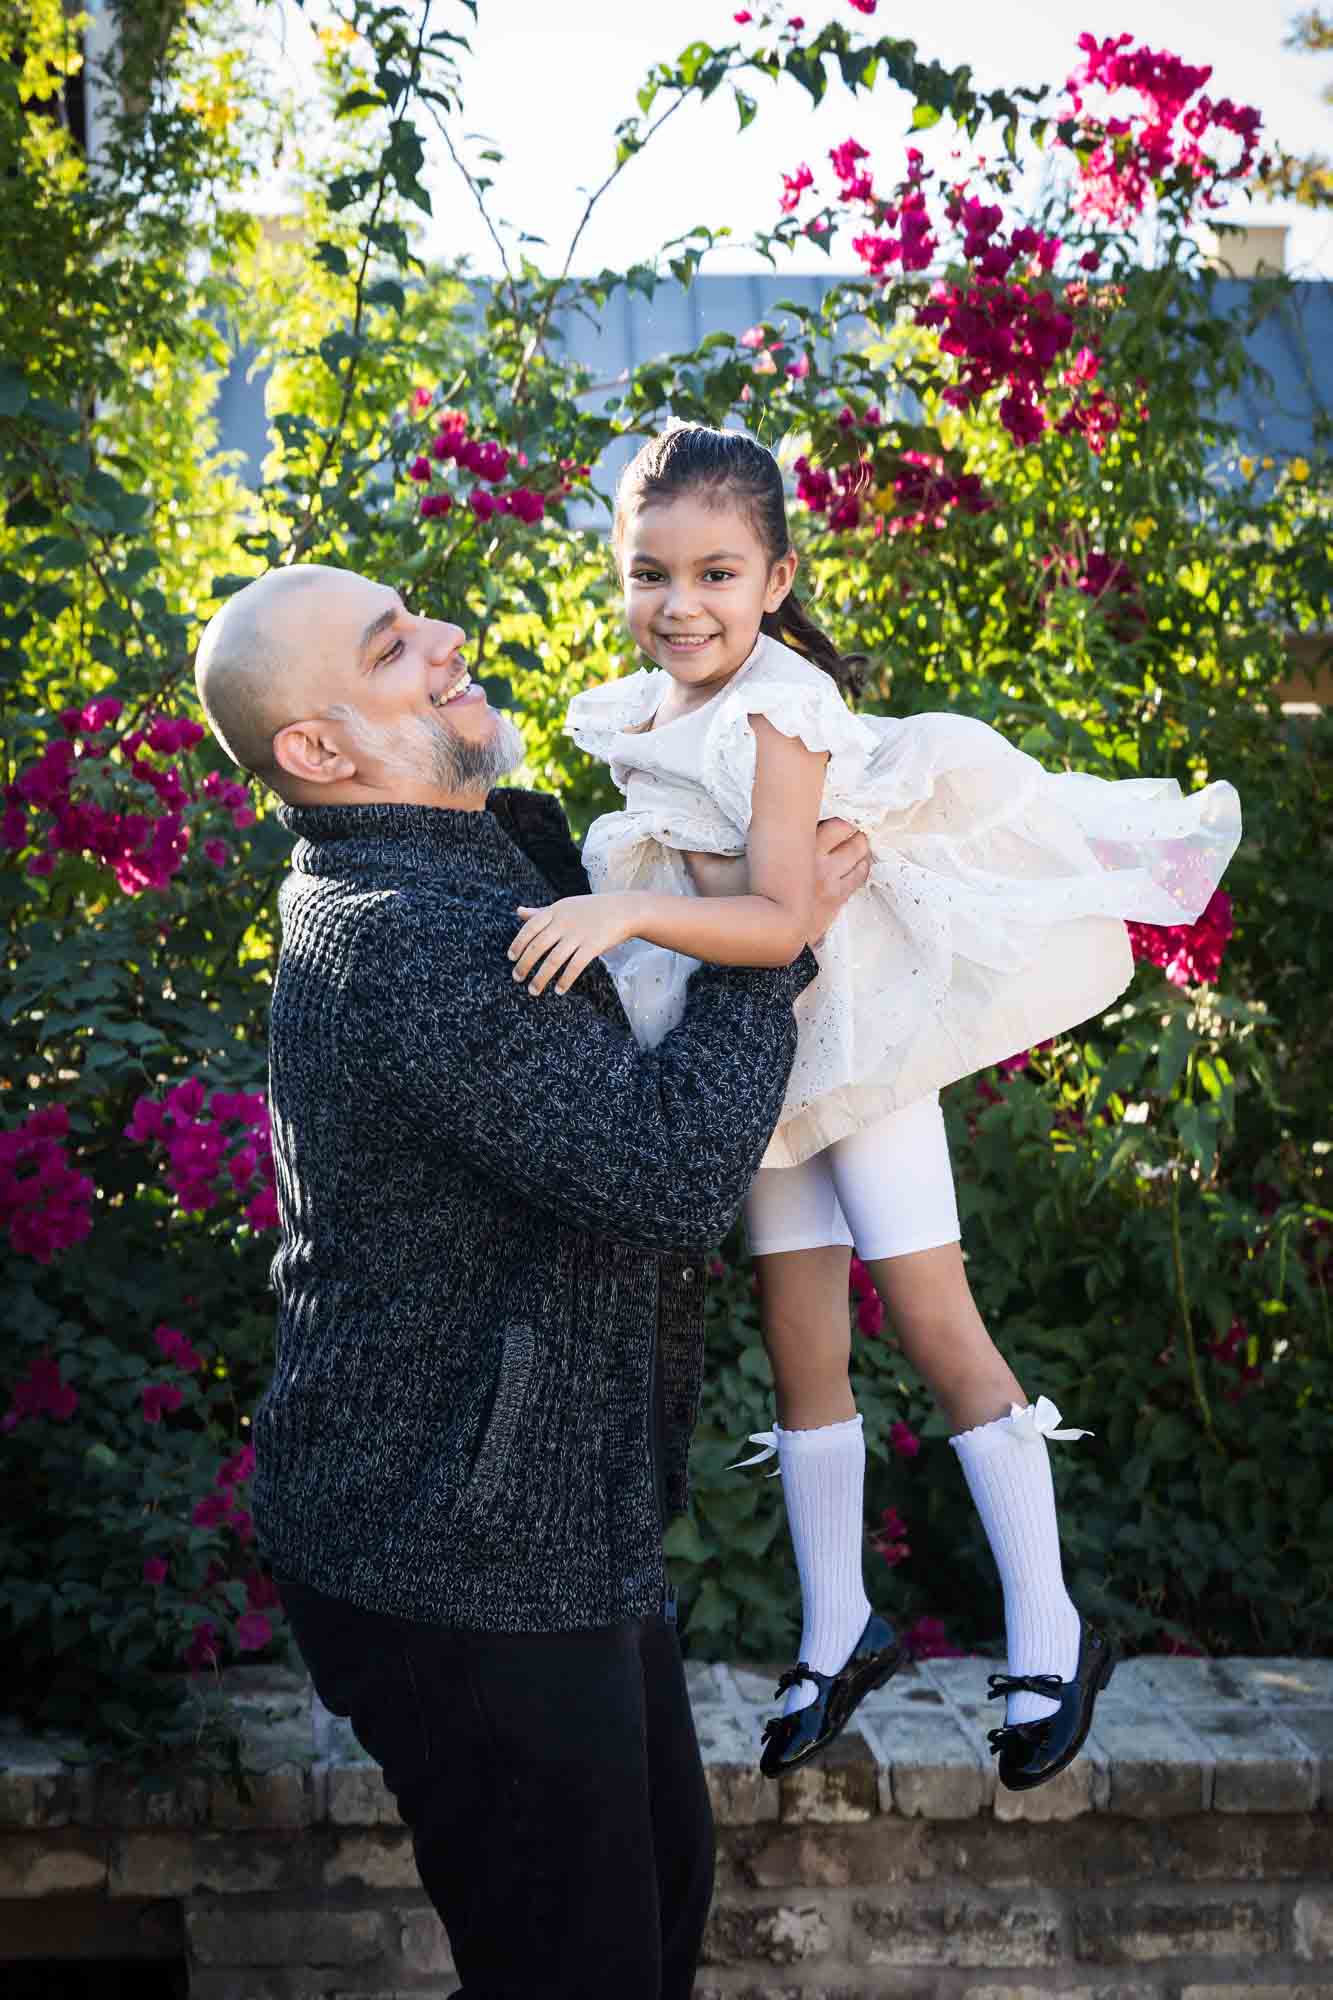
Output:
(769, 926)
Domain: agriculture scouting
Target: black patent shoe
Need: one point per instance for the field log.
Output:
(791, 1740)
(1031, 1752)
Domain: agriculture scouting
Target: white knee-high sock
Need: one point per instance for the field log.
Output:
(1008, 1471)
(823, 1483)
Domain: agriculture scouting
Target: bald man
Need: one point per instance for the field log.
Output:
(496, 1211)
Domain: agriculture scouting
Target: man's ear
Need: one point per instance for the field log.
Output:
(307, 752)
(780, 580)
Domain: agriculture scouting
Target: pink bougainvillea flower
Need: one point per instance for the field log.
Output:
(904, 1440)
(235, 1471)
(482, 504)
(889, 1540)
(927, 1640)
(525, 505)
(799, 368)
(421, 399)
(419, 468)
(794, 186)
(741, 18)
(869, 1305)
(41, 1393)
(261, 1592)
(865, 6)
(154, 1569)
(213, 1511)
(159, 1399)
(202, 1650)
(174, 1346)
(252, 1632)
(433, 504)
(44, 1202)
(1189, 954)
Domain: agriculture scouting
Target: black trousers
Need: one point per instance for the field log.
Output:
(553, 1786)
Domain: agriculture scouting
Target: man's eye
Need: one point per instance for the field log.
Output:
(392, 653)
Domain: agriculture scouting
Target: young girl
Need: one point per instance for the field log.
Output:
(993, 918)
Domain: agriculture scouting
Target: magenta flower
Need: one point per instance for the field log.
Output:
(44, 1202)
(213, 1511)
(927, 1641)
(526, 506)
(236, 1471)
(433, 504)
(252, 1632)
(41, 1393)
(1189, 954)
(890, 1539)
(904, 1440)
(793, 187)
(173, 1346)
(159, 1399)
(155, 1569)
(202, 1650)
(419, 469)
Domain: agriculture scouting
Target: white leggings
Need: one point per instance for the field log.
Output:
(887, 1190)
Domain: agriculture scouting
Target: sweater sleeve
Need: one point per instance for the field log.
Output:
(535, 822)
(554, 1100)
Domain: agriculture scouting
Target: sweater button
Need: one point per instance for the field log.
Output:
(687, 1274)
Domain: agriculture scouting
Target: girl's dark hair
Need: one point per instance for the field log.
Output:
(728, 465)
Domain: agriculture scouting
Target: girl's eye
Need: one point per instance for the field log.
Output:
(725, 574)
(643, 576)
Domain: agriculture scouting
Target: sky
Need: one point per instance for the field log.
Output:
(550, 79)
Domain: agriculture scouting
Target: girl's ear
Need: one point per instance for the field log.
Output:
(780, 580)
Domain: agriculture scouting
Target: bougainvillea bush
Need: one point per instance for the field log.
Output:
(1009, 486)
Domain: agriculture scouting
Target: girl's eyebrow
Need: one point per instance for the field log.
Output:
(718, 555)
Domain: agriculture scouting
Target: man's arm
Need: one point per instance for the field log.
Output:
(553, 1100)
(535, 821)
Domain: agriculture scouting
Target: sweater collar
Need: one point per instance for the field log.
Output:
(333, 840)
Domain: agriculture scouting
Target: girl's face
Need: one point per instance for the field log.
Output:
(697, 582)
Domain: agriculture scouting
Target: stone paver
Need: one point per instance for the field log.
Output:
(1156, 1765)
(1258, 1765)
(1313, 1727)
(929, 1768)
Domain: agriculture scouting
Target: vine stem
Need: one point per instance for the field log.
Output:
(301, 540)
(1186, 1320)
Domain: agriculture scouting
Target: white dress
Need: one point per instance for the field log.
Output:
(995, 912)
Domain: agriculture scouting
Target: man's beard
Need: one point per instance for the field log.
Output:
(457, 765)
(425, 748)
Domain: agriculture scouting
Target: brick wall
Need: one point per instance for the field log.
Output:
(1186, 1856)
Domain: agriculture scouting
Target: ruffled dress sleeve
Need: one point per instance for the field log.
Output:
(595, 718)
(808, 707)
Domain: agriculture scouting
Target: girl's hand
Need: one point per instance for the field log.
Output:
(565, 937)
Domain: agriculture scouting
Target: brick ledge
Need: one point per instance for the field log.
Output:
(1173, 1736)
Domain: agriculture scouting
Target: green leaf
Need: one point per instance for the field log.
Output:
(1173, 1053)
(745, 106)
(333, 257)
(13, 391)
(924, 116)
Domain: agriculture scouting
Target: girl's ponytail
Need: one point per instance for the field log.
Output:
(792, 624)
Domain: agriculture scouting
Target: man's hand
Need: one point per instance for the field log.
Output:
(719, 874)
(842, 866)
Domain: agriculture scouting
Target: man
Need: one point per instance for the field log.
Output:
(495, 1213)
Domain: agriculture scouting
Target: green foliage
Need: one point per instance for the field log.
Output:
(1130, 1199)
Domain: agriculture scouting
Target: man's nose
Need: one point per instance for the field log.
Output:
(445, 638)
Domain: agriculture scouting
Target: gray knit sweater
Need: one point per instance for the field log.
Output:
(494, 1209)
